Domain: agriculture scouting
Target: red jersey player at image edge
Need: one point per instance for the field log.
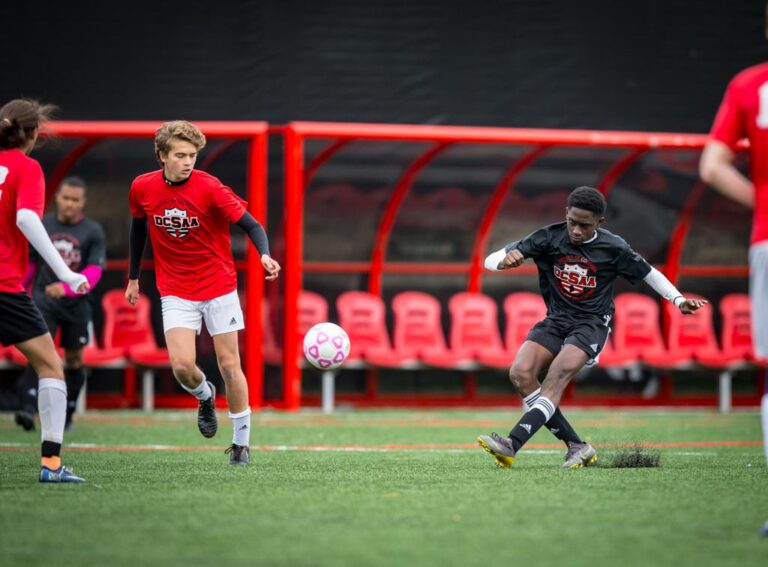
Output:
(743, 113)
(187, 214)
(22, 199)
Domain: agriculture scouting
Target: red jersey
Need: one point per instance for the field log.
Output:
(22, 186)
(189, 229)
(744, 114)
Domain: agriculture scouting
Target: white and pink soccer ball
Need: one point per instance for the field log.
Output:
(326, 346)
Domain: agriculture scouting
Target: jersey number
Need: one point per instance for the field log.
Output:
(762, 115)
(3, 175)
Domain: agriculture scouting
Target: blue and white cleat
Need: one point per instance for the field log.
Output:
(62, 474)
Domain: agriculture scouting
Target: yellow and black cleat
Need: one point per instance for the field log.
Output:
(500, 448)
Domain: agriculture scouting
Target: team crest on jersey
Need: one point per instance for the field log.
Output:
(69, 248)
(576, 277)
(176, 222)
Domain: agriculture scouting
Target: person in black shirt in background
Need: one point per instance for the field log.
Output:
(577, 263)
(82, 246)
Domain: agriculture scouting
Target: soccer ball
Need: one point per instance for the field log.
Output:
(326, 346)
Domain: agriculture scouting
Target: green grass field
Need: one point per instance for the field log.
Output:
(386, 488)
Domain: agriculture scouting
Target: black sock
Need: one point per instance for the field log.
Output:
(50, 449)
(557, 425)
(26, 389)
(529, 424)
(75, 378)
(562, 429)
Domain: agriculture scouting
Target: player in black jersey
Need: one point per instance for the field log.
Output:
(81, 243)
(578, 263)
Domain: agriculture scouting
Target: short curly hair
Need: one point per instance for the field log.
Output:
(588, 199)
(177, 130)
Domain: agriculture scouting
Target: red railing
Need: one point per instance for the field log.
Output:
(256, 134)
(298, 176)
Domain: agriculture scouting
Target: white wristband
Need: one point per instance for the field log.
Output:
(492, 260)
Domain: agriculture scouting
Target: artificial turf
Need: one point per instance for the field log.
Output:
(387, 488)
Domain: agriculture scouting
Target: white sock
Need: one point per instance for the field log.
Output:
(241, 427)
(52, 406)
(545, 406)
(202, 391)
(531, 398)
(764, 414)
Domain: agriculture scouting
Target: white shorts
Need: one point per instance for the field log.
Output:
(222, 314)
(758, 294)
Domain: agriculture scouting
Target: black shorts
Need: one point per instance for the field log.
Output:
(20, 320)
(74, 334)
(589, 334)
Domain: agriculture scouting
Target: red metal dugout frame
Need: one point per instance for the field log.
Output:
(298, 176)
(256, 134)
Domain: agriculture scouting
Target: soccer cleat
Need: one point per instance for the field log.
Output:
(764, 530)
(500, 449)
(206, 414)
(579, 455)
(25, 419)
(239, 454)
(62, 474)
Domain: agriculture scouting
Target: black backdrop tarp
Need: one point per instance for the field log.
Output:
(651, 65)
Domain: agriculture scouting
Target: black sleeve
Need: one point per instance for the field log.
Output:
(138, 239)
(255, 232)
(533, 245)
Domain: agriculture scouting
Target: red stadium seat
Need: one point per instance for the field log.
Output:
(418, 332)
(5, 357)
(313, 309)
(361, 314)
(522, 310)
(474, 329)
(130, 328)
(692, 337)
(636, 333)
(737, 347)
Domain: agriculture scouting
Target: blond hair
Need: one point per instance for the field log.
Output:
(177, 130)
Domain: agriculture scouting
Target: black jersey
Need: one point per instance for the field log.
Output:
(80, 244)
(578, 280)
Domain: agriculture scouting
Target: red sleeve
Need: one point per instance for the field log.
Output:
(31, 188)
(137, 210)
(728, 126)
(230, 205)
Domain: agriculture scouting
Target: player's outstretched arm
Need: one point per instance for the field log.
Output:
(668, 291)
(34, 231)
(503, 260)
(717, 170)
(258, 236)
(137, 241)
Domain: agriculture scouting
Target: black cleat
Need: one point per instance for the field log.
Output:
(239, 454)
(25, 419)
(206, 415)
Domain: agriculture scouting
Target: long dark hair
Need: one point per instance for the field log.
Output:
(19, 119)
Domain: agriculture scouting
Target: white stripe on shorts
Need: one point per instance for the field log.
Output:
(758, 294)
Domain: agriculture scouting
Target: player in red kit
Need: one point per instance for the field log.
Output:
(743, 113)
(22, 199)
(187, 214)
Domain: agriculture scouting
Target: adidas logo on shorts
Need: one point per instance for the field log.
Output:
(233, 322)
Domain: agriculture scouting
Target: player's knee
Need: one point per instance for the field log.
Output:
(228, 366)
(182, 368)
(522, 376)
